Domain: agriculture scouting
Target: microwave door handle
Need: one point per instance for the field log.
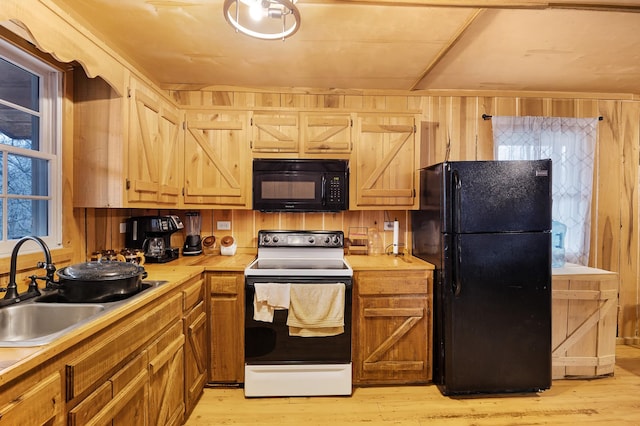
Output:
(323, 186)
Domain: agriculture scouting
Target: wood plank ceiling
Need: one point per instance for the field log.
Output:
(534, 45)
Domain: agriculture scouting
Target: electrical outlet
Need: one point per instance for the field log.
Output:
(123, 227)
(224, 225)
(388, 226)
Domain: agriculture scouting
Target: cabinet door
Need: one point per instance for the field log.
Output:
(154, 148)
(385, 170)
(166, 378)
(170, 155)
(392, 328)
(217, 167)
(226, 310)
(274, 132)
(324, 133)
(195, 355)
(120, 400)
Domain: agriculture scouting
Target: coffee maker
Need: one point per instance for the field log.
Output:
(193, 242)
(152, 235)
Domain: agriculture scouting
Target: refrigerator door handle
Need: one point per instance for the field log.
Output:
(456, 285)
(455, 192)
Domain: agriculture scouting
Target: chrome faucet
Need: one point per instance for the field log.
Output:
(11, 292)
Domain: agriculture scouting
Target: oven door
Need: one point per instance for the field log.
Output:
(270, 343)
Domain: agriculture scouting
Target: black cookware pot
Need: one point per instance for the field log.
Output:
(99, 281)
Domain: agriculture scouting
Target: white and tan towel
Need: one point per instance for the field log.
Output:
(267, 298)
(316, 310)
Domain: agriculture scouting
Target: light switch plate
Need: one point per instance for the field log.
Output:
(123, 227)
(388, 226)
(224, 225)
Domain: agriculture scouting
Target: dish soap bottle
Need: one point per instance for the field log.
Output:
(558, 232)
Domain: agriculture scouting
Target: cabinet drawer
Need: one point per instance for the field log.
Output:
(38, 405)
(110, 351)
(191, 295)
(223, 284)
(386, 282)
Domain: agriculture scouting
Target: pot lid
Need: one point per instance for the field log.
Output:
(100, 270)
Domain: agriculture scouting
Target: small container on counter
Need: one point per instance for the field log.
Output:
(228, 246)
(209, 244)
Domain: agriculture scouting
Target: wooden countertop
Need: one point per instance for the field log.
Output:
(574, 269)
(15, 362)
(386, 262)
(239, 261)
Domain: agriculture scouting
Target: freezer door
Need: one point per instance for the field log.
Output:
(497, 196)
(496, 313)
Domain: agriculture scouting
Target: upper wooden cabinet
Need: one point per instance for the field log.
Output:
(274, 132)
(301, 134)
(154, 148)
(326, 133)
(217, 167)
(383, 166)
(127, 150)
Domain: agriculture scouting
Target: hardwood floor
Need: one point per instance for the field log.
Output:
(611, 400)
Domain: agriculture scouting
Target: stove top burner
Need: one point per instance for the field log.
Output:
(299, 264)
(300, 253)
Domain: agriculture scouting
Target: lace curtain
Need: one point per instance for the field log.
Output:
(570, 143)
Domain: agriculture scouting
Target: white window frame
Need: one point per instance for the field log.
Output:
(50, 115)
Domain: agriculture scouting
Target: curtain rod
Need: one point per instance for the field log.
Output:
(488, 117)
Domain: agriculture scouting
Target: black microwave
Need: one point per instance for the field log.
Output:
(300, 185)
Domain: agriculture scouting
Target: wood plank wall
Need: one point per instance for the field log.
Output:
(455, 124)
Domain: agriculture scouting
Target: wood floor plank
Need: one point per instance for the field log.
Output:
(602, 401)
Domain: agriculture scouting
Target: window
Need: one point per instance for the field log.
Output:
(30, 143)
(570, 143)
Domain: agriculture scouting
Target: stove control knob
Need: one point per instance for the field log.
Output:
(327, 240)
(275, 239)
(336, 240)
(311, 240)
(266, 239)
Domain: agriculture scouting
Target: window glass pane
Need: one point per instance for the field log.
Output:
(18, 128)
(27, 176)
(1, 175)
(19, 86)
(1, 221)
(27, 217)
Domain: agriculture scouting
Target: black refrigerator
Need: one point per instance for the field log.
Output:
(486, 226)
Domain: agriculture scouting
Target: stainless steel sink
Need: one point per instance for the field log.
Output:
(34, 324)
(41, 320)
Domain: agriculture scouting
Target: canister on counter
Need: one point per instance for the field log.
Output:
(209, 244)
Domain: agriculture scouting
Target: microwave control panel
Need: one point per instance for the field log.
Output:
(334, 189)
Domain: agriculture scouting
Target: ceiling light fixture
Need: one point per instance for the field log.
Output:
(263, 19)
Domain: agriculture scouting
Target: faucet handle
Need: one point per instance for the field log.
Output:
(33, 285)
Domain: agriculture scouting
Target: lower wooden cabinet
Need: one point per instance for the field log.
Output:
(145, 370)
(195, 346)
(36, 402)
(166, 378)
(584, 309)
(226, 326)
(120, 400)
(392, 327)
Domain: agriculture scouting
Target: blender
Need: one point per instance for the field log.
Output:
(193, 243)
